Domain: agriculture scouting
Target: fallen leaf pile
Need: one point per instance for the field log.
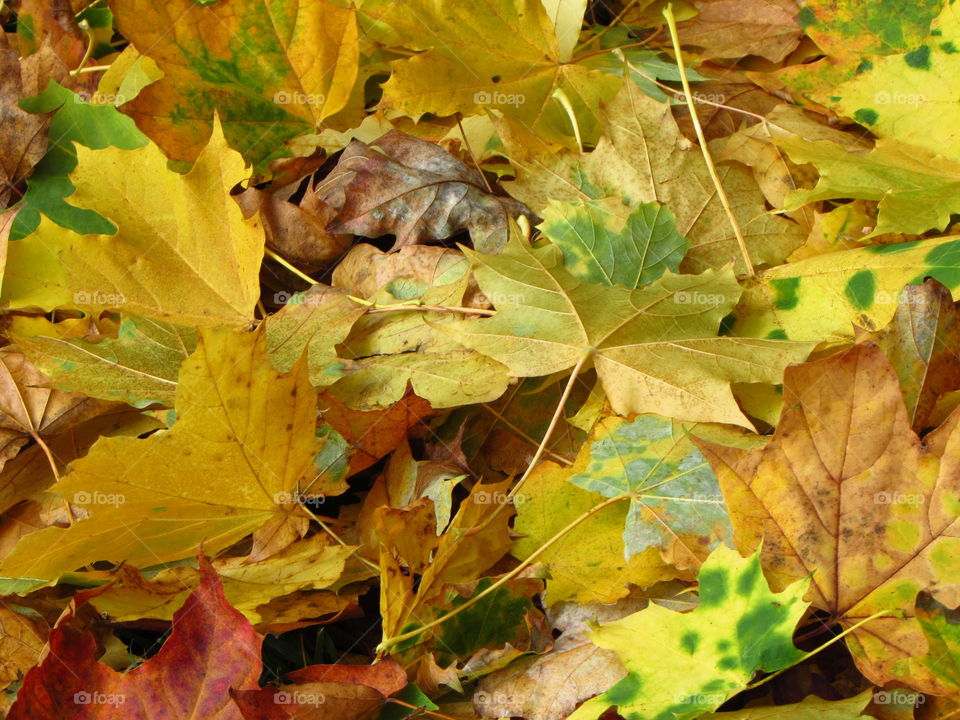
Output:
(506, 358)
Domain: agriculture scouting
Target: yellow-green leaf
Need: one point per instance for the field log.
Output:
(183, 252)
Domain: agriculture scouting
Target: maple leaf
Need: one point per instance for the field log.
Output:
(824, 296)
(246, 430)
(600, 247)
(271, 71)
(641, 158)
(497, 54)
(922, 343)
(587, 564)
(810, 708)
(738, 628)
(30, 411)
(917, 190)
(310, 564)
(676, 496)
(365, 270)
(549, 686)
(733, 29)
(139, 366)
(22, 638)
(414, 189)
(846, 492)
(387, 352)
(211, 649)
(654, 349)
(185, 227)
(906, 96)
(75, 120)
(313, 322)
(345, 692)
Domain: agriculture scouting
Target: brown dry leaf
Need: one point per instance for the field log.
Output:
(550, 686)
(366, 270)
(297, 232)
(415, 190)
(373, 434)
(30, 471)
(30, 411)
(23, 140)
(846, 493)
(22, 637)
(735, 28)
(922, 343)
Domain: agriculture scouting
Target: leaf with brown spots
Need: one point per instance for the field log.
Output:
(847, 493)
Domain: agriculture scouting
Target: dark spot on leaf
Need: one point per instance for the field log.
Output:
(806, 17)
(690, 641)
(861, 288)
(786, 293)
(919, 58)
(625, 691)
(866, 116)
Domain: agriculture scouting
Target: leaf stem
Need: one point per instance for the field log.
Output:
(519, 431)
(420, 709)
(721, 193)
(338, 539)
(299, 273)
(387, 643)
(828, 643)
(91, 39)
(90, 69)
(554, 421)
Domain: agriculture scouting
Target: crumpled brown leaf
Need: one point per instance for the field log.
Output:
(735, 28)
(23, 140)
(415, 190)
(29, 410)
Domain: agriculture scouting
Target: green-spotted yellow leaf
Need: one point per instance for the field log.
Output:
(681, 665)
